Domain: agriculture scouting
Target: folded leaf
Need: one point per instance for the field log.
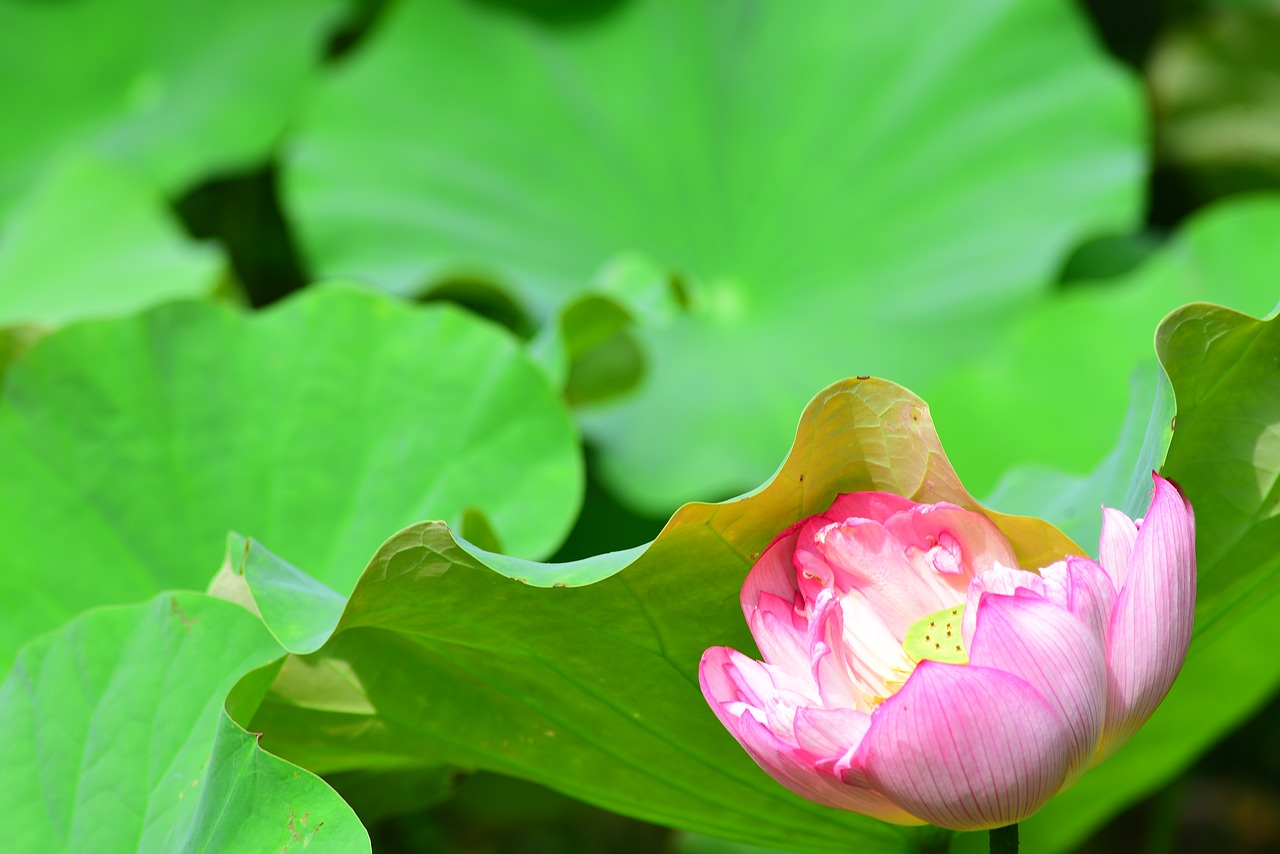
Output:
(446, 654)
(1225, 456)
(176, 89)
(115, 739)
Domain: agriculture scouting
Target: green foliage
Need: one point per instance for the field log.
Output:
(1120, 480)
(1066, 358)
(1225, 372)
(1213, 79)
(128, 254)
(491, 672)
(255, 801)
(174, 88)
(132, 446)
(1217, 373)
(273, 589)
(1051, 389)
(115, 739)
(591, 348)
(842, 191)
(689, 216)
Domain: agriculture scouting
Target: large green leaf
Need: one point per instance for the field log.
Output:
(1059, 364)
(592, 690)
(131, 447)
(113, 737)
(1225, 370)
(272, 588)
(1051, 387)
(840, 191)
(91, 240)
(1225, 453)
(176, 89)
(256, 801)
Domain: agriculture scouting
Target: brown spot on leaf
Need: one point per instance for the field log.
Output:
(176, 610)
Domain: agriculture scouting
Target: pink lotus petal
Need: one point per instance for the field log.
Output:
(873, 651)
(738, 688)
(813, 571)
(829, 659)
(1001, 580)
(773, 573)
(796, 769)
(966, 747)
(717, 676)
(830, 734)
(774, 691)
(1058, 654)
(780, 632)
(784, 760)
(1115, 548)
(876, 506)
(867, 559)
(1083, 588)
(952, 540)
(1153, 615)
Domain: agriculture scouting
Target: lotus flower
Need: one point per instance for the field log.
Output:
(913, 673)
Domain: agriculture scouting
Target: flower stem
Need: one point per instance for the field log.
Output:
(1004, 840)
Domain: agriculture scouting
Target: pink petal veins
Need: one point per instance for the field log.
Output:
(780, 632)
(966, 747)
(773, 573)
(832, 734)
(1083, 588)
(780, 756)
(829, 658)
(999, 579)
(952, 540)
(1153, 615)
(1058, 654)
(1115, 548)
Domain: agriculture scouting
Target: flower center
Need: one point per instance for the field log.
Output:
(937, 637)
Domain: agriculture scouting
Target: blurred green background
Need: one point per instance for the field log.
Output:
(689, 217)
